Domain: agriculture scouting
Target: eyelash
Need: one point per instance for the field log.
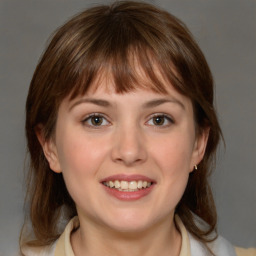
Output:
(167, 118)
(90, 117)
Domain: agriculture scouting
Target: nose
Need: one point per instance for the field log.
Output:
(129, 146)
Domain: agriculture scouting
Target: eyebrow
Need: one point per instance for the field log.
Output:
(149, 104)
(98, 102)
(157, 102)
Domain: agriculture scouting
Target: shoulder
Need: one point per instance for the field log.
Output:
(61, 246)
(193, 247)
(220, 247)
(245, 252)
(39, 251)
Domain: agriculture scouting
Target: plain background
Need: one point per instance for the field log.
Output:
(226, 32)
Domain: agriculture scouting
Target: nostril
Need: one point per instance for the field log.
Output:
(128, 147)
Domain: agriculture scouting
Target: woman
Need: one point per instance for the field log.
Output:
(122, 135)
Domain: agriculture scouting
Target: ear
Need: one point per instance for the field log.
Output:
(199, 148)
(49, 149)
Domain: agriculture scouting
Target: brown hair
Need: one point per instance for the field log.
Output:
(104, 38)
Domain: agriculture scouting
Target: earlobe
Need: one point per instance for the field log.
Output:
(49, 149)
(199, 148)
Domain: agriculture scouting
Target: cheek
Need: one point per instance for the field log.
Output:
(175, 164)
(174, 155)
(78, 152)
(173, 159)
(80, 159)
(80, 163)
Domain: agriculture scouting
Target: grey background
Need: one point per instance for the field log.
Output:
(226, 32)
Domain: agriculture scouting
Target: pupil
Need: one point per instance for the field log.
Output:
(158, 120)
(97, 120)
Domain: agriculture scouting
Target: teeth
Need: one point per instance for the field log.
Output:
(144, 184)
(117, 184)
(124, 185)
(133, 185)
(127, 186)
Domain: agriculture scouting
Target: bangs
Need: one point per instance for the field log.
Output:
(134, 54)
(126, 71)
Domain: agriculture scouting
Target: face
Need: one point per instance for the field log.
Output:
(126, 158)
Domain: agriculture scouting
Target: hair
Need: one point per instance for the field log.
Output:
(116, 39)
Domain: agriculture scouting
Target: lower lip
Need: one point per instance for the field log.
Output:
(128, 196)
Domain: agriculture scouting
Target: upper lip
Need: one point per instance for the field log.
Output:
(125, 177)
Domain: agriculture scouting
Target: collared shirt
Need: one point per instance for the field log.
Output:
(64, 248)
(189, 246)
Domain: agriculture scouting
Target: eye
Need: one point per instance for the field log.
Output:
(95, 120)
(160, 120)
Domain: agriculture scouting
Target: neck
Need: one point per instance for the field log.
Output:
(162, 238)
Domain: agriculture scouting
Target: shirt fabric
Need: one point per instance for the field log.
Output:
(189, 247)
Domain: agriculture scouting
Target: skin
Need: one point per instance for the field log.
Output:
(128, 141)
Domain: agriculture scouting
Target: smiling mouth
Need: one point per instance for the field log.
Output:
(127, 186)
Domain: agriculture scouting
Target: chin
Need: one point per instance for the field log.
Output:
(131, 222)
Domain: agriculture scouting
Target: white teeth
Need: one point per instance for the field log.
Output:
(117, 184)
(126, 186)
(144, 184)
(133, 185)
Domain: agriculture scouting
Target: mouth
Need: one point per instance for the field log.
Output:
(127, 186)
